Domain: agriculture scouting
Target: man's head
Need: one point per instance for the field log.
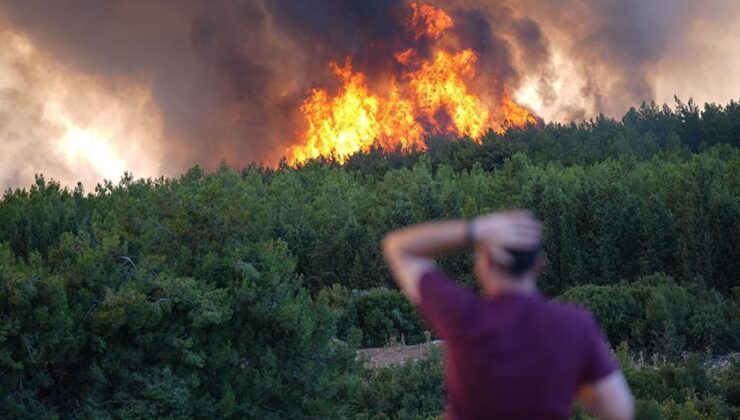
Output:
(508, 250)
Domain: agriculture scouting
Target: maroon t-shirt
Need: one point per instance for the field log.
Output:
(512, 356)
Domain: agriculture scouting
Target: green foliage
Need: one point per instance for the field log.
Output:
(688, 388)
(244, 295)
(413, 390)
(118, 322)
(380, 315)
(729, 384)
(656, 315)
(616, 309)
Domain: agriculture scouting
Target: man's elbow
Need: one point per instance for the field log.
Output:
(627, 412)
(613, 398)
(389, 245)
(624, 410)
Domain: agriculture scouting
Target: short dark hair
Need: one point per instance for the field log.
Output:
(524, 260)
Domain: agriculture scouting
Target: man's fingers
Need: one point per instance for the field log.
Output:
(524, 233)
(522, 244)
(524, 228)
(516, 229)
(527, 224)
(520, 239)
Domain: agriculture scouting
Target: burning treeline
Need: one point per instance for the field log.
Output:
(429, 92)
(91, 88)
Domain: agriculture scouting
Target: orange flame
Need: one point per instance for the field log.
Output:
(355, 118)
(439, 85)
(515, 115)
(428, 20)
(430, 95)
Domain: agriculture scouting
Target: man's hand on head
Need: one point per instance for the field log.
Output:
(504, 231)
(410, 251)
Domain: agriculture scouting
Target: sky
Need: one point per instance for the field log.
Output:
(91, 89)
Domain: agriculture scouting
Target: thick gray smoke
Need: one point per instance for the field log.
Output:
(630, 51)
(228, 76)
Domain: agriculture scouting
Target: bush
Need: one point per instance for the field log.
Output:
(413, 390)
(615, 307)
(101, 337)
(381, 315)
(656, 315)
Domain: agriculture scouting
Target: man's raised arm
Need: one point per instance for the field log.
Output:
(411, 251)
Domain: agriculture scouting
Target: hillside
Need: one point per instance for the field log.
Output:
(246, 293)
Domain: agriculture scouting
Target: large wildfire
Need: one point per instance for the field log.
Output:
(431, 95)
(90, 89)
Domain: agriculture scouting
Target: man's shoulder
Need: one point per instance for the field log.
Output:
(446, 305)
(435, 281)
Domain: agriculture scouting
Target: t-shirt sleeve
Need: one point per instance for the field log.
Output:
(598, 360)
(445, 305)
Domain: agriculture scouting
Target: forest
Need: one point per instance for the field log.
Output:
(245, 293)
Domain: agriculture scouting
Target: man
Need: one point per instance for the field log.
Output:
(510, 353)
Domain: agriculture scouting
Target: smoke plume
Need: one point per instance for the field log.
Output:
(91, 88)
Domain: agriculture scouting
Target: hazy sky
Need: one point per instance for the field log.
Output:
(89, 89)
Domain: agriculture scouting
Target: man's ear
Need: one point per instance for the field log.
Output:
(539, 265)
(482, 264)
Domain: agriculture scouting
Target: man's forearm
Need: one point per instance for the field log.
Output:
(410, 251)
(429, 239)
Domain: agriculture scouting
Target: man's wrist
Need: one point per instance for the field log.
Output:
(470, 232)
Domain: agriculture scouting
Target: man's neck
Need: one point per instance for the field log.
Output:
(506, 287)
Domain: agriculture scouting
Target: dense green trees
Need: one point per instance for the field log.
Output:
(95, 333)
(656, 315)
(245, 294)
(410, 391)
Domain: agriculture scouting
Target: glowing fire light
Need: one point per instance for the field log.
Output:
(428, 20)
(431, 95)
(83, 145)
(70, 126)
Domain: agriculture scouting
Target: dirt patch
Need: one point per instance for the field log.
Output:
(389, 356)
